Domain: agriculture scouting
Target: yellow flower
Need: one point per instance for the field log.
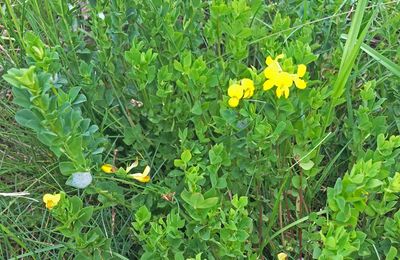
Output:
(51, 200)
(233, 102)
(301, 71)
(272, 72)
(142, 177)
(108, 168)
(284, 80)
(281, 79)
(248, 87)
(236, 91)
(282, 256)
(283, 83)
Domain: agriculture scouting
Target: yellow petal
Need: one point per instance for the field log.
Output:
(108, 168)
(301, 70)
(282, 256)
(247, 83)
(248, 86)
(284, 80)
(57, 198)
(248, 93)
(133, 165)
(271, 72)
(300, 84)
(282, 91)
(146, 171)
(279, 92)
(286, 92)
(49, 204)
(235, 90)
(280, 56)
(51, 200)
(135, 175)
(268, 85)
(233, 102)
(47, 197)
(143, 179)
(140, 177)
(269, 60)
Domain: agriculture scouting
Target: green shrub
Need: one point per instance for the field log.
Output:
(243, 153)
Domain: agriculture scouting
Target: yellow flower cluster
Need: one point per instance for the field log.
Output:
(281, 79)
(238, 91)
(275, 77)
(142, 177)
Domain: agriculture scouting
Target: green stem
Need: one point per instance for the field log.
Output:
(291, 225)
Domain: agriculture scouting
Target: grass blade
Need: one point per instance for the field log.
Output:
(354, 31)
(387, 63)
(37, 251)
(393, 67)
(13, 236)
(350, 54)
(313, 191)
(293, 224)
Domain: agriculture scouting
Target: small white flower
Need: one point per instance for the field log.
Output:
(101, 15)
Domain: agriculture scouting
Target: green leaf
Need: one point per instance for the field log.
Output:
(196, 109)
(178, 66)
(21, 97)
(192, 199)
(142, 216)
(86, 214)
(76, 204)
(27, 118)
(350, 53)
(179, 163)
(278, 130)
(80, 99)
(186, 156)
(218, 155)
(133, 134)
(187, 60)
(373, 183)
(239, 202)
(306, 165)
(47, 137)
(207, 203)
(179, 256)
(392, 254)
(111, 194)
(73, 93)
(197, 201)
(74, 149)
(296, 181)
(67, 168)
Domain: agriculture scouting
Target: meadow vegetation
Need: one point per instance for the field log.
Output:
(189, 129)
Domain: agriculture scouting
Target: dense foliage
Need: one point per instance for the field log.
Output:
(256, 130)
